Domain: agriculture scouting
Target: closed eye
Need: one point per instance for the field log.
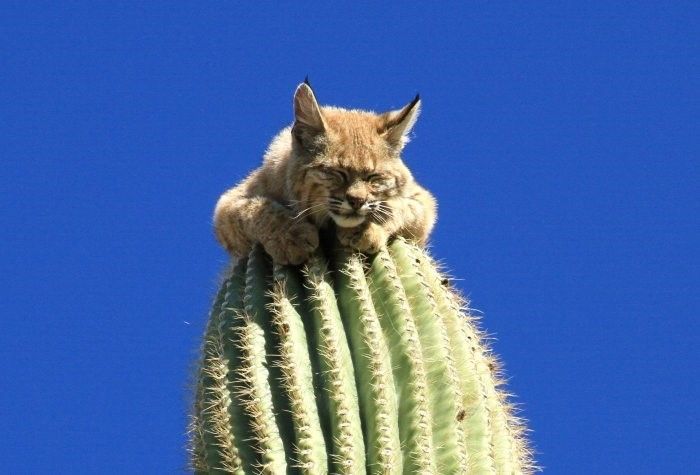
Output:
(381, 179)
(341, 175)
(335, 173)
(381, 182)
(330, 174)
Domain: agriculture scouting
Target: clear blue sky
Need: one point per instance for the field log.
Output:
(562, 143)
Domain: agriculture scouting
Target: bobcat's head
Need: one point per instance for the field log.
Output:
(346, 164)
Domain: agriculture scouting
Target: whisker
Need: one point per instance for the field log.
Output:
(381, 220)
(381, 212)
(305, 212)
(312, 207)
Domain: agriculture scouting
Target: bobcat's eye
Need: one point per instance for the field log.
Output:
(381, 182)
(329, 175)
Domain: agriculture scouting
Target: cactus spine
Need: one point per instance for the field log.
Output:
(354, 365)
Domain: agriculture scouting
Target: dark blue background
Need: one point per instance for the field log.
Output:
(561, 142)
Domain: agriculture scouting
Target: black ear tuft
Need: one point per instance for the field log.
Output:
(400, 122)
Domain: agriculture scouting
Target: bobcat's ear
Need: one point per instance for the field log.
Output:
(308, 119)
(399, 123)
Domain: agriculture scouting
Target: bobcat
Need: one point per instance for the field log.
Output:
(331, 166)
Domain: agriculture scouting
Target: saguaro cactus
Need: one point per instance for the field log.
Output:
(351, 365)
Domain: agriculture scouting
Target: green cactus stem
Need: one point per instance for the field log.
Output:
(297, 375)
(373, 376)
(352, 364)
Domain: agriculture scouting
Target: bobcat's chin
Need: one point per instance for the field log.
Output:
(347, 221)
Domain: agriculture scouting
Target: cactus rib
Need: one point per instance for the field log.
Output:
(415, 420)
(297, 380)
(476, 413)
(256, 393)
(508, 448)
(448, 435)
(373, 372)
(337, 373)
(220, 454)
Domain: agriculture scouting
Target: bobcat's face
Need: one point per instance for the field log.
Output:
(352, 196)
(349, 161)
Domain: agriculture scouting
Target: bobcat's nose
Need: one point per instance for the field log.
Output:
(356, 201)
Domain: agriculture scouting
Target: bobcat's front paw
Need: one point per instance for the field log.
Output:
(366, 238)
(292, 245)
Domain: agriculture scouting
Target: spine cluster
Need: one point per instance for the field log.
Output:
(351, 365)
